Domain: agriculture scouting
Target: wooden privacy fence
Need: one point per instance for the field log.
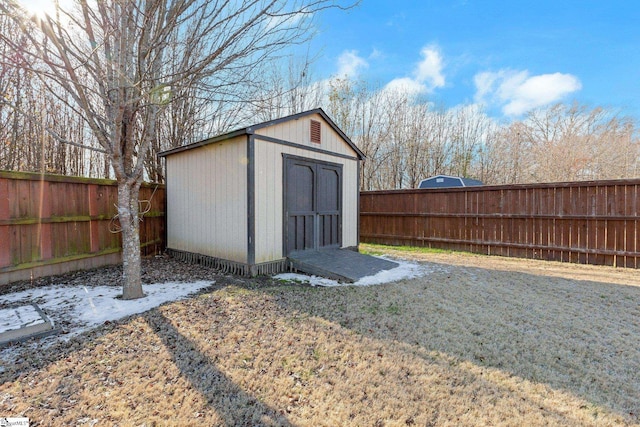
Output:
(51, 224)
(594, 222)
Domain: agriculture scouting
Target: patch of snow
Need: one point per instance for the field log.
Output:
(405, 270)
(15, 318)
(80, 308)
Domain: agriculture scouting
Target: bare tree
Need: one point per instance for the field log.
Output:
(563, 142)
(504, 157)
(371, 130)
(290, 89)
(362, 112)
(470, 128)
(38, 131)
(110, 59)
(575, 142)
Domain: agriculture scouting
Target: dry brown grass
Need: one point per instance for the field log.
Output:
(478, 341)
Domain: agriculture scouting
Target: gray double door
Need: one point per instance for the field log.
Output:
(312, 204)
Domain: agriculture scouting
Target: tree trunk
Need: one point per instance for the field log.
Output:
(129, 222)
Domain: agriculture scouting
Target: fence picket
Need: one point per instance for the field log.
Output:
(47, 221)
(594, 222)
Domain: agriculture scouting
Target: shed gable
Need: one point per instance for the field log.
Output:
(312, 131)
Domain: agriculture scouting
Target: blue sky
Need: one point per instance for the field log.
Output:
(508, 55)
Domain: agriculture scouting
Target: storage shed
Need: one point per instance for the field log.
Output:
(444, 181)
(245, 200)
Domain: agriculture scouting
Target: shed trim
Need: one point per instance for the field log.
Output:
(358, 208)
(219, 138)
(304, 147)
(251, 201)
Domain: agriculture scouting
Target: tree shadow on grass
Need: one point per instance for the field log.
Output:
(235, 406)
(573, 335)
(69, 370)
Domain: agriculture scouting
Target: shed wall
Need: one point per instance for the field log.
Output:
(269, 195)
(298, 131)
(207, 200)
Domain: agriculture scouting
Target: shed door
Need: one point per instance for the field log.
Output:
(313, 204)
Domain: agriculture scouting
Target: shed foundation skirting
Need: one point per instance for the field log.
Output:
(231, 267)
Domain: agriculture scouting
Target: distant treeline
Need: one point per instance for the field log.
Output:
(405, 138)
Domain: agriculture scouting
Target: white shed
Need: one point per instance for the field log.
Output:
(245, 200)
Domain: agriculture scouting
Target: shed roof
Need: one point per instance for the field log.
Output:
(443, 181)
(250, 130)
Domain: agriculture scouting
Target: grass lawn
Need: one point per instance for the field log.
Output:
(477, 341)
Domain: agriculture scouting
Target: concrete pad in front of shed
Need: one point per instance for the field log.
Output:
(339, 264)
(23, 322)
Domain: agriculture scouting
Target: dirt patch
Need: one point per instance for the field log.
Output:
(476, 341)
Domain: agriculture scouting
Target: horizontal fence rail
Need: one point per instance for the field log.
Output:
(50, 224)
(595, 222)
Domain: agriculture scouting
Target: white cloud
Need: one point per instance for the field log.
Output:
(427, 75)
(517, 92)
(406, 85)
(376, 54)
(349, 63)
(429, 71)
(484, 84)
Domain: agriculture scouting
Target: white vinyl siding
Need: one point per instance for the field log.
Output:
(207, 200)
